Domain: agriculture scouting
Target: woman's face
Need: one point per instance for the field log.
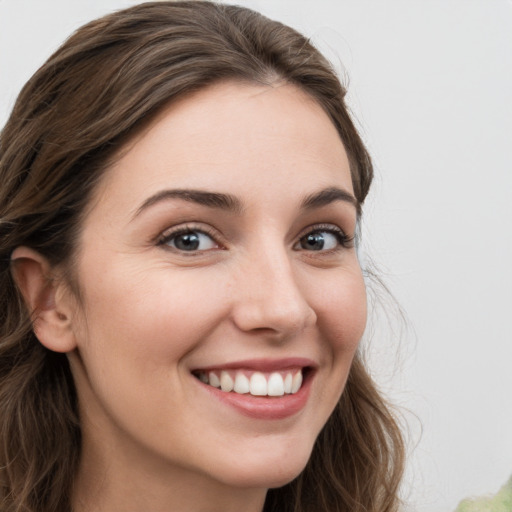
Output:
(219, 247)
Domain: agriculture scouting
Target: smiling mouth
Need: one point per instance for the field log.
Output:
(255, 383)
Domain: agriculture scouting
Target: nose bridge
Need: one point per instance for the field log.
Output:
(271, 297)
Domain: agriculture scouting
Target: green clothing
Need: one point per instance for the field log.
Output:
(501, 502)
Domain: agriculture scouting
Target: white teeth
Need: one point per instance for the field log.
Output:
(241, 384)
(275, 385)
(258, 384)
(226, 382)
(287, 383)
(214, 380)
(297, 382)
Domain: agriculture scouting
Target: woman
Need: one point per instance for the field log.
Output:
(181, 296)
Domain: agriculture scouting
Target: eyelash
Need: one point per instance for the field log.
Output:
(166, 238)
(345, 241)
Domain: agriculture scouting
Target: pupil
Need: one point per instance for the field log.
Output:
(187, 242)
(314, 241)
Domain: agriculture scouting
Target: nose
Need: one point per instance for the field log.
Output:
(268, 296)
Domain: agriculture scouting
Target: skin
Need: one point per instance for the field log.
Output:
(153, 437)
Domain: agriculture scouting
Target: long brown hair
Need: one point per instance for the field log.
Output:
(72, 117)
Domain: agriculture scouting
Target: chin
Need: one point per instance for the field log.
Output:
(263, 472)
(269, 480)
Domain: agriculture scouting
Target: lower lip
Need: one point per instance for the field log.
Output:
(264, 408)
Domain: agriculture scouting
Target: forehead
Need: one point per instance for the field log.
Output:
(242, 137)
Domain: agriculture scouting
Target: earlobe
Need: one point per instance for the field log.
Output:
(50, 310)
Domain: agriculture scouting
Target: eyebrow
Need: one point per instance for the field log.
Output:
(210, 199)
(231, 203)
(328, 196)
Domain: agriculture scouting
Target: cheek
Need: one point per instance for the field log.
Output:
(342, 313)
(153, 311)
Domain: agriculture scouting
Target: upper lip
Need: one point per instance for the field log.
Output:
(262, 365)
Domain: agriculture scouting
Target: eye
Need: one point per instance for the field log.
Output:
(324, 239)
(189, 240)
(318, 241)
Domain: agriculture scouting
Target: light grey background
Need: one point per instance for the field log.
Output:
(431, 88)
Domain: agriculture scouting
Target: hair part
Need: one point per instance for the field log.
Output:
(108, 81)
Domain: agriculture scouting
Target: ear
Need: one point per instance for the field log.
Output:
(48, 302)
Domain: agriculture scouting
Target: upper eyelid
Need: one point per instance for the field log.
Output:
(167, 234)
(322, 226)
